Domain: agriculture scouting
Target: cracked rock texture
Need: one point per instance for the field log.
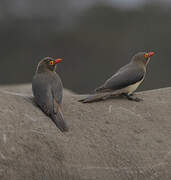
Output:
(114, 140)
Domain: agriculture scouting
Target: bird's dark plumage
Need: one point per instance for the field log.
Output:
(125, 81)
(48, 91)
(126, 76)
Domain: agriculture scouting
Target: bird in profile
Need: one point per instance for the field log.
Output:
(125, 81)
(48, 91)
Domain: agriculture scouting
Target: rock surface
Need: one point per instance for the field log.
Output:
(114, 140)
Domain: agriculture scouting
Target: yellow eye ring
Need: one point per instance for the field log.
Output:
(51, 63)
(146, 55)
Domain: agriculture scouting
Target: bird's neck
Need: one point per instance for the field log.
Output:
(43, 69)
(140, 64)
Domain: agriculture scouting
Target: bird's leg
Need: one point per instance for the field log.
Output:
(131, 97)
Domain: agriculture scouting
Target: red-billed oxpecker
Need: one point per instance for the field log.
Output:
(48, 91)
(125, 81)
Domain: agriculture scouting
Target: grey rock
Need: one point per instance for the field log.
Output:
(114, 139)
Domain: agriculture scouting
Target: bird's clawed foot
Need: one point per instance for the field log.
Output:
(133, 98)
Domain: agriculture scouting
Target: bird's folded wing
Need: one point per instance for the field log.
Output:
(122, 79)
(43, 95)
(57, 89)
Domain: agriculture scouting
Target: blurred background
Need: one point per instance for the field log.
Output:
(94, 38)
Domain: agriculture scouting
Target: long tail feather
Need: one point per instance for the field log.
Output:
(93, 98)
(100, 96)
(59, 121)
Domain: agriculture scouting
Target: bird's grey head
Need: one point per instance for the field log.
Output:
(142, 58)
(48, 64)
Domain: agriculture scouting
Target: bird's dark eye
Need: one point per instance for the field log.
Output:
(51, 63)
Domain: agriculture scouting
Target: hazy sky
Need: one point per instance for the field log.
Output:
(62, 7)
(120, 3)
